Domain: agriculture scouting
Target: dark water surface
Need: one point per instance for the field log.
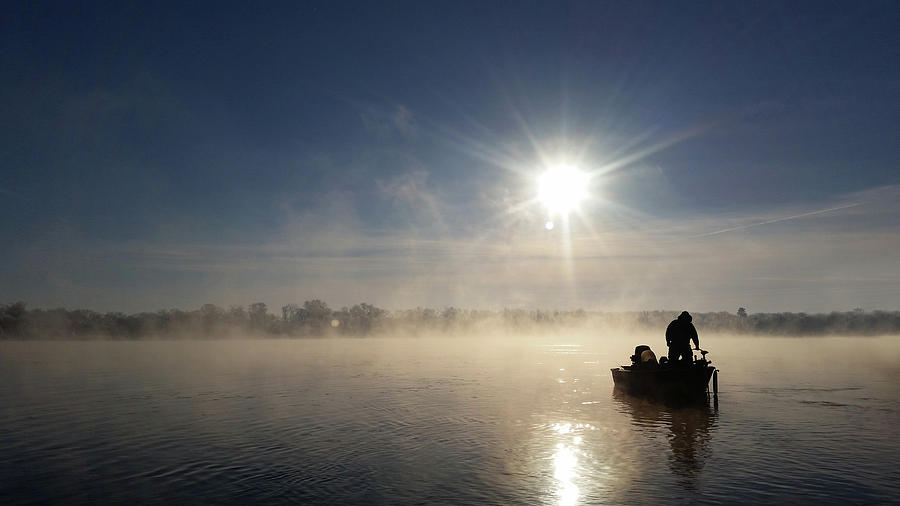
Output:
(442, 421)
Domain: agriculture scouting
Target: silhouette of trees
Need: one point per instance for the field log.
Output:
(12, 319)
(237, 317)
(319, 314)
(315, 318)
(212, 316)
(258, 313)
(358, 320)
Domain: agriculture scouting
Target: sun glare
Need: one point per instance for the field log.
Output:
(561, 189)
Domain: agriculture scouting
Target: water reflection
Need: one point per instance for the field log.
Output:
(689, 429)
(565, 460)
(565, 464)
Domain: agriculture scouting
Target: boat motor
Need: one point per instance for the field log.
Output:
(638, 352)
(643, 356)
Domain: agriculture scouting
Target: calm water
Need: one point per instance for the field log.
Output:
(462, 421)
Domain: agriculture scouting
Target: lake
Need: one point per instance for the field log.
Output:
(443, 421)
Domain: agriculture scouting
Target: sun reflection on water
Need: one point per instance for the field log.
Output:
(565, 461)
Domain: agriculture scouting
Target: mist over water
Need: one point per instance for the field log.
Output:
(480, 420)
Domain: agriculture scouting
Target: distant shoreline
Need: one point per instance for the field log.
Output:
(316, 319)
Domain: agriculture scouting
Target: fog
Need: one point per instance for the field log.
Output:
(441, 415)
(314, 318)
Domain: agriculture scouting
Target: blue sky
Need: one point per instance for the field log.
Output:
(161, 155)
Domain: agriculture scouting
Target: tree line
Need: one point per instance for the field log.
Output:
(314, 318)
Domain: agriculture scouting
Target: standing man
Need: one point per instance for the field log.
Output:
(679, 335)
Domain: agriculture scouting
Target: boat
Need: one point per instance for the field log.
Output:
(675, 380)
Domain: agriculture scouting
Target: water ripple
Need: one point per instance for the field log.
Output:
(423, 422)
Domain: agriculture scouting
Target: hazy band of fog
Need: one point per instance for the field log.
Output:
(315, 318)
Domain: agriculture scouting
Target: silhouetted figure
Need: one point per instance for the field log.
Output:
(679, 335)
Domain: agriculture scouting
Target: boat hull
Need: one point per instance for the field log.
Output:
(673, 382)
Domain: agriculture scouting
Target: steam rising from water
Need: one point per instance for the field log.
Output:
(464, 420)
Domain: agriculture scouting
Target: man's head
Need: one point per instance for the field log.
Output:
(685, 316)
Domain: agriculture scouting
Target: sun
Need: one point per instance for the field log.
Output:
(562, 188)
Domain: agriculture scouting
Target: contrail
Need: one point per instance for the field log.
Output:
(776, 220)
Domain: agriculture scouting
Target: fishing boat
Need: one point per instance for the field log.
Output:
(677, 380)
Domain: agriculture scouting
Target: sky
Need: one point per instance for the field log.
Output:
(158, 155)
